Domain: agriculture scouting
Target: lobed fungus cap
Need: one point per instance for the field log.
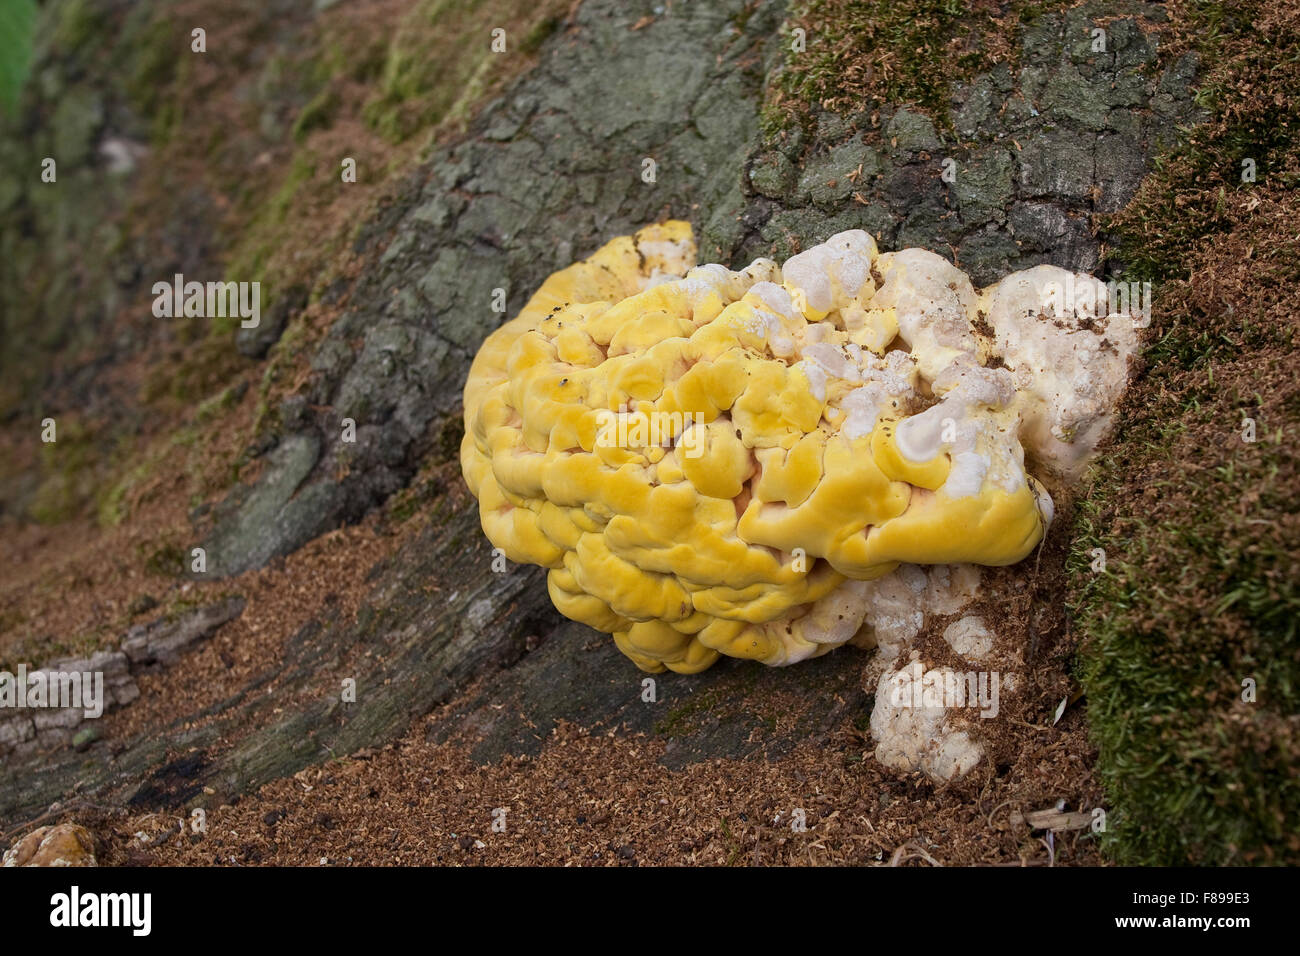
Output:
(714, 462)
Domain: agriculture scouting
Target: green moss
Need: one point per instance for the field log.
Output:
(219, 404)
(68, 480)
(723, 700)
(79, 23)
(441, 61)
(539, 34)
(166, 559)
(168, 103)
(112, 509)
(317, 114)
(914, 51)
(209, 362)
(153, 67)
(361, 64)
(1157, 233)
(261, 235)
(1197, 598)
(1194, 773)
(681, 719)
(414, 499)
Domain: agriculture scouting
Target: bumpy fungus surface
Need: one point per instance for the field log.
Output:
(714, 462)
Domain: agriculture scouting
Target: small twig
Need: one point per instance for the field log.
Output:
(1053, 819)
(1025, 723)
(52, 814)
(995, 810)
(1023, 863)
(1051, 850)
(917, 853)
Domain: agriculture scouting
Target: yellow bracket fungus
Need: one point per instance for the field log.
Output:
(714, 462)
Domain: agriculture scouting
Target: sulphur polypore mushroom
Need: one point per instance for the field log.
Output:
(714, 462)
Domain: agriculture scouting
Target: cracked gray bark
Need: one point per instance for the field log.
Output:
(546, 174)
(1033, 155)
(552, 170)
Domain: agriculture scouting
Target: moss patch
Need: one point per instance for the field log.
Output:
(1199, 599)
(67, 473)
(862, 55)
(441, 60)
